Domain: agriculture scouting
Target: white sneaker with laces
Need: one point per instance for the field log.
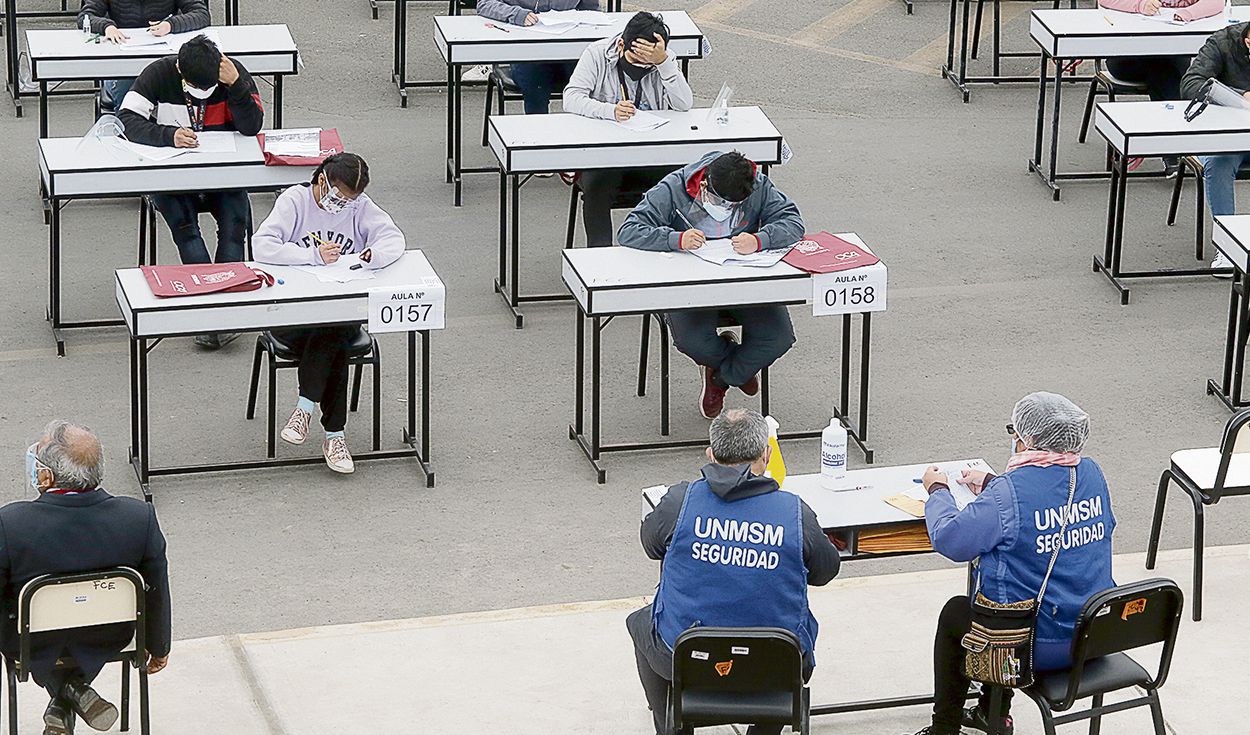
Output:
(1221, 262)
(478, 73)
(296, 429)
(338, 458)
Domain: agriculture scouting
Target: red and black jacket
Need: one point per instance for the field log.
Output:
(157, 105)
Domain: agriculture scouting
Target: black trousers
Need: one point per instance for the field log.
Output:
(1161, 74)
(600, 189)
(323, 369)
(950, 686)
(655, 671)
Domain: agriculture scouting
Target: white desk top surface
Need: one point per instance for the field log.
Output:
(473, 29)
(70, 43)
(1099, 22)
(65, 155)
(565, 130)
(1231, 236)
(1154, 118)
(862, 506)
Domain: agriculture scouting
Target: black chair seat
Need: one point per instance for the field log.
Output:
(361, 345)
(108, 105)
(726, 708)
(1100, 676)
(502, 75)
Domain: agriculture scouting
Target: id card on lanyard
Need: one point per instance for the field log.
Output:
(195, 114)
(639, 103)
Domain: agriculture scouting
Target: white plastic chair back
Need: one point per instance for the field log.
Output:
(81, 604)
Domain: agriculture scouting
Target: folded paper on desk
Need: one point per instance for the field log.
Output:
(721, 252)
(642, 121)
(828, 253)
(215, 141)
(551, 29)
(299, 147)
(340, 271)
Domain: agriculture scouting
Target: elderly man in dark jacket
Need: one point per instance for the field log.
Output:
(717, 573)
(159, 17)
(1225, 57)
(75, 526)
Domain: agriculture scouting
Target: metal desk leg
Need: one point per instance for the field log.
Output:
(503, 230)
(277, 100)
(997, 34)
(452, 73)
(950, 40)
(54, 275)
(455, 83)
(508, 288)
(143, 418)
(409, 436)
(1239, 346)
(865, 352)
(43, 109)
(11, 54)
(580, 374)
(962, 84)
(856, 431)
(134, 400)
(1054, 132)
(595, 377)
(400, 76)
(1222, 390)
(1036, 162)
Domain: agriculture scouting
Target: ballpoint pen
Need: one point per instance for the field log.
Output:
(498, 28)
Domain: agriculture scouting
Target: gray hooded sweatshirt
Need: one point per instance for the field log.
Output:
(595, 87)
(670, 208)
(514, 11)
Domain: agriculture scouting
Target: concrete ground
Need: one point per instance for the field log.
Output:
(570, 668)
(991, 297)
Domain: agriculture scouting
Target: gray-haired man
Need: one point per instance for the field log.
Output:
(75, 526)
(713, 575)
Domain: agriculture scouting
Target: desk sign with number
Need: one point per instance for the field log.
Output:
(408, 308)
(852, 291)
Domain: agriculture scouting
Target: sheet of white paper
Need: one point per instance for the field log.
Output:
(139, 37)
(581, 17)
(551, 29)
(340, 271)
(215, 141)
(643, 121)
(149, 152)
(963, 496)
(721, 252)
(175, 40)
(294, 142)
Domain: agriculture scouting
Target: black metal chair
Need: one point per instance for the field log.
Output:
(1110, 85)
(623, 200)
(68, 601)
(1194, 164)
(1111, 622)
(725, 676)
(363, 350)
(1206, 476)
(500, 80)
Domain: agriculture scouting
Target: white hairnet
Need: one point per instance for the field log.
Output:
(1050, 422)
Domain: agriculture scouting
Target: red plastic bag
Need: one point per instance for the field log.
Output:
(331, 143)
(194, 280)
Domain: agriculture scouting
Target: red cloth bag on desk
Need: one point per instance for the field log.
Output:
(194, 280)
(826, 253)
(331, 143)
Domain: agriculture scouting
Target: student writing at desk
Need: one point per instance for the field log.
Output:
(175, 98)
(316, 224)
(722, 195)
(160, 17)
(614, 78)
(537, 80)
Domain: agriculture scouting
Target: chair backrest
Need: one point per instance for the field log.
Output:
(1236, 440)
(738, 661)
(1124, 618)
(66, 601)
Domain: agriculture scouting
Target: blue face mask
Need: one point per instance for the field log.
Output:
(33, 465)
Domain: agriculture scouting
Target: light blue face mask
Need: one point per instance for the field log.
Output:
(33, 465)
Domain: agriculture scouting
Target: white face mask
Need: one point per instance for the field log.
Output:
(197, 93)
(332, 201)
(715, 209)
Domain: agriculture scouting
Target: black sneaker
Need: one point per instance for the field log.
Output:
(96, 711)
(974, 717)
(931, 730)
(58, 718)
(1171, 166)
(215, 341)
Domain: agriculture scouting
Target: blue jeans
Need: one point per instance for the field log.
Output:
(538, 82)
(767, 334)
(231, 209)
(1219, 173)
(117, 90)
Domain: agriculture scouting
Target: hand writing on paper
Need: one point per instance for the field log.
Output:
(531, 19)
(156, 663)
(624, 110)
(933, 477)
(974, 480)
(692, 240)
(185, 138)
(655, 53)
(227, 72)
(159, 28)
(1151, 7)
(114, 34)
(329, 252)
(745, 243)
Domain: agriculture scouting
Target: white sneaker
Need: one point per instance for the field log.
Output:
(479, 73)
(337, 456)
(1221, 262)
(296, 429)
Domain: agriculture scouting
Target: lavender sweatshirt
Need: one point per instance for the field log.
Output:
(285, 237)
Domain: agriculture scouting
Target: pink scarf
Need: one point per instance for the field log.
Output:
(1042, 458)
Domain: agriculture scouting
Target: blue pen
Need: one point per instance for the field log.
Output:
(280, 281)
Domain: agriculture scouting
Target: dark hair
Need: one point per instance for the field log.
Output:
(732, 176)
(346, 169)
(1245, 31)
(644, 26)
(199, 62)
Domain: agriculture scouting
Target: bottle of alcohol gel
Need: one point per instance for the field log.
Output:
(833, 455)
(776, 468)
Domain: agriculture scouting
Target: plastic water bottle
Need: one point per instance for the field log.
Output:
(833, 455)
(86, 26)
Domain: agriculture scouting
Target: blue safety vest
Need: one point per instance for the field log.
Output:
(736, 564)
(1014, 571)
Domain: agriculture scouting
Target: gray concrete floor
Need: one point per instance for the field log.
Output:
(991, 297)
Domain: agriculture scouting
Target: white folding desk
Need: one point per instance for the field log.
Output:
(1072, 34)
(11, 51)
(1231, 236)
(847, 513)
(1148, 129)
(611, 282)
(65, 56)
(960, 79)
(528, 144)
(300, 301)
(466, 39)
(93, 171)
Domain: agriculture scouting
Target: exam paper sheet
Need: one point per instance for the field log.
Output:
(340, 271)
(721, 252)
